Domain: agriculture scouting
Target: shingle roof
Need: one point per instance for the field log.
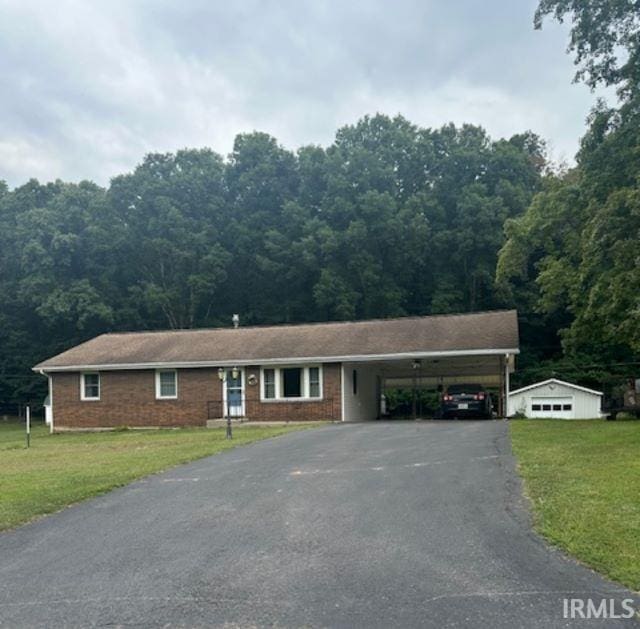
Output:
(476, 333)
(543, 383)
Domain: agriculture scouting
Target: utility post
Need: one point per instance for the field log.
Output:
(28, 425)
(222, 374)
(414, 402)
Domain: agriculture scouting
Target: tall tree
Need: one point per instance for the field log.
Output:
(605, 38)
(390, 219)
(171, 212)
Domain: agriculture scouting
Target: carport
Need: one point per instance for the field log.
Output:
(477, 353)
(300, 372)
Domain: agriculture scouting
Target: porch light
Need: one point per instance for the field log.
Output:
(221, 374)
(235, 372)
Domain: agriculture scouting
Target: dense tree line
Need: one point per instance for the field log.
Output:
(391, 219)
(571, 263)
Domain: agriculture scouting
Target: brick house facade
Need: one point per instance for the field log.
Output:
(333, 371)
(128, 398)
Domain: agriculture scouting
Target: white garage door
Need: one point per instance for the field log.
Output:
(562, 407)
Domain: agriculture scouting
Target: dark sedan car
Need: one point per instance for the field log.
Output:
(466, 400)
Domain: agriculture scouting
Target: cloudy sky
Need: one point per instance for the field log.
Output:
(89, 86)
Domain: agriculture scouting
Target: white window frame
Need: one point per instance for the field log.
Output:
(84, 397)
(263, 384)
(159, 395)
(308, 381)
(305, 397)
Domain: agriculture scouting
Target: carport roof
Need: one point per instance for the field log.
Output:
(408, 337)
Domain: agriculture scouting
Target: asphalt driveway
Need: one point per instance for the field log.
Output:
(368, 525)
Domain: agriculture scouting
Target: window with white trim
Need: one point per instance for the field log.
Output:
(291, 383)
(166, 384)
(269, 384)
(314, 382)
(90, 386)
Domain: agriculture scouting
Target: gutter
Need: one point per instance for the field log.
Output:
(357, 358)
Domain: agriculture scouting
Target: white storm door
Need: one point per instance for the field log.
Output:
(234, 394)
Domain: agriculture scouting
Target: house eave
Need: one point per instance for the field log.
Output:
(43, 368)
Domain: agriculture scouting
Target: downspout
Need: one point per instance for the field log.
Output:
(50, 385)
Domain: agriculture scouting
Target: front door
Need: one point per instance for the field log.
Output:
(235, 394)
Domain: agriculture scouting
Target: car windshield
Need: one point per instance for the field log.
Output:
(465, 388)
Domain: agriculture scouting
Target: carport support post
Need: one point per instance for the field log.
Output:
(28, 425)
(505, 404)
(501, 389)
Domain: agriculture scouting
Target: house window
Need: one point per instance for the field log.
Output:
(314, 381)
(167, 384)
(354, 382)
(292, 382)
(90, 386)
(269, 380)
(536, 407)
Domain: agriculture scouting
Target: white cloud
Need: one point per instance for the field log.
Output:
(89, 88)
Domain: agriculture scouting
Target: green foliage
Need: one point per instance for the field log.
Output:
(573, 256)
(391, 219)
(570, 262)
(583, 479)
(605, 38)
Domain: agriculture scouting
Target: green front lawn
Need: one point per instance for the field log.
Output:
(583, 478)
(64, 468)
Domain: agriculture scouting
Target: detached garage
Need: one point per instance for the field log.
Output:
(556, 399)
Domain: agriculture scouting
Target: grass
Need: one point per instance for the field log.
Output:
(583, 478)
(60, 469)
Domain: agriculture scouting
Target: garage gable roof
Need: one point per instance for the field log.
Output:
(477, 333)
(555, 381)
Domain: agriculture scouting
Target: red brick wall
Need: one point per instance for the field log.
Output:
(128, 398)
(326, 409)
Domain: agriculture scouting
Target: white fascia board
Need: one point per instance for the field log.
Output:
(555, 381)
(362, 358)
